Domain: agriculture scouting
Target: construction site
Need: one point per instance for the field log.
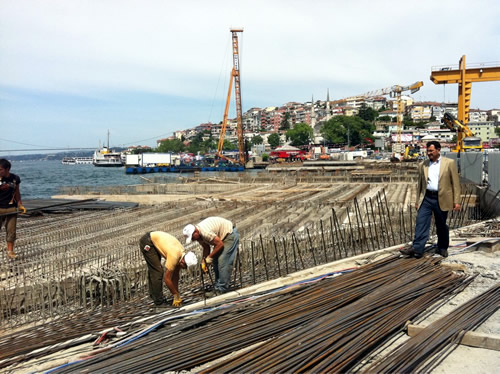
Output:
(318, 284)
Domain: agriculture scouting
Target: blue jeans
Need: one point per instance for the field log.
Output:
(223, 264)
(430, 206)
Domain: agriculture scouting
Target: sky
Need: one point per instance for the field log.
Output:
(70, 70)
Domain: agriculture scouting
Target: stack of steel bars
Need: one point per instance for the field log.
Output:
(423, 351)
(329, 325)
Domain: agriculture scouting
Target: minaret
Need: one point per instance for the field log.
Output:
(313, 113)
(328, 113)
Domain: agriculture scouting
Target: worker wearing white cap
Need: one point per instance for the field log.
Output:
(155, 245)
(223, 236)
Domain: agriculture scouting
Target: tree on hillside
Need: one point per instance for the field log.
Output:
(367, 113)
(344, 129)
(257, 140)
(301, 134)
(274, 140)
(228, 146)
(285, 122)
(171, 145)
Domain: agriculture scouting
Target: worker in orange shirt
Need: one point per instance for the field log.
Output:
(156, 245)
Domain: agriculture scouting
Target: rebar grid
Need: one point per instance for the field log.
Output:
(83, 261)
(326, 326)
(424, 351)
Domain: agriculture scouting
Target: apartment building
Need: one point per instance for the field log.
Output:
(421, 111)
(485, 130)
(477, 115)
(439, 109)
(252, 119)
(494, 115)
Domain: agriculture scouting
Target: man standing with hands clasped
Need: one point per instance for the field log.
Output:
(223, 236)
(438, 192)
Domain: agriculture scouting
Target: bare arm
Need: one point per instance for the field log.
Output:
(17, 195)
(218, 246)
(206, 249)
(171, 279)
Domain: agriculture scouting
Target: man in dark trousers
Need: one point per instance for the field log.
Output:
(10, 204)
(156, 245)
(223, 236)
(438, 192)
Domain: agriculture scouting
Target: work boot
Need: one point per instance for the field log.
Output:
(407, 252)
(410, 252)
(443, 252)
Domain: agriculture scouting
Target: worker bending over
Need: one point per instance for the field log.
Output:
(155, 245)
(223, 236)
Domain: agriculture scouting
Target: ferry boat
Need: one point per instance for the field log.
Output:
(76, 160)
(107, 158)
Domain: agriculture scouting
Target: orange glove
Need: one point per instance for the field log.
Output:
(204, 267)
(21, 208)
(177, 301)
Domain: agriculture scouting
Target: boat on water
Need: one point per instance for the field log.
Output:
(105, 157)
(77, 160)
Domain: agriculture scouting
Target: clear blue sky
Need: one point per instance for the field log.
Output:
(71, 70)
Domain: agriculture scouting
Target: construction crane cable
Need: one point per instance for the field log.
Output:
(223, 67)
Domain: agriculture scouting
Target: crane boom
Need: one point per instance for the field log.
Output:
(465, 76)
(395, 91)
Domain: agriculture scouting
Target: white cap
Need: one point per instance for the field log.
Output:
(190, 259)
(188, 232)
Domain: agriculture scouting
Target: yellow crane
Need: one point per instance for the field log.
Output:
(464, 76)
(395, 92)
(466, 140)
(235, 75)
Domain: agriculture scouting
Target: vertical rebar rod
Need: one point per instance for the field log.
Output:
(263, 256)
(277, 257)
(323, 240)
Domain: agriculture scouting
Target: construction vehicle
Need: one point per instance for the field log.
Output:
(479, 72)
(466, 140)
(395, 92)
(235, 75)
(412, 152)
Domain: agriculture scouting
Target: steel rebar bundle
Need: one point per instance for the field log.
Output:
(432, 344)
(326, 326)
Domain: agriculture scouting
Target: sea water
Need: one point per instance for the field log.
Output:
(43, 179)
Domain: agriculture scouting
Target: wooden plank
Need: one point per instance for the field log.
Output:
(471, 338)
(486, 245)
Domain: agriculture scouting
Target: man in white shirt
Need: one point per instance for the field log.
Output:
(438, 192)
(223, 236)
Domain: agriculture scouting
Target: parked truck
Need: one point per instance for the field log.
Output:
(149, 159)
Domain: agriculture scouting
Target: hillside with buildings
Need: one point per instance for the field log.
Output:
(424, 118)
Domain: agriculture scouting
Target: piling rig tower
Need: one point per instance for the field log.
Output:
(235, 75)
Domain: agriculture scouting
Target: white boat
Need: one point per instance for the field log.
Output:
(77, 160)
(107, 158)
(68, 161)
